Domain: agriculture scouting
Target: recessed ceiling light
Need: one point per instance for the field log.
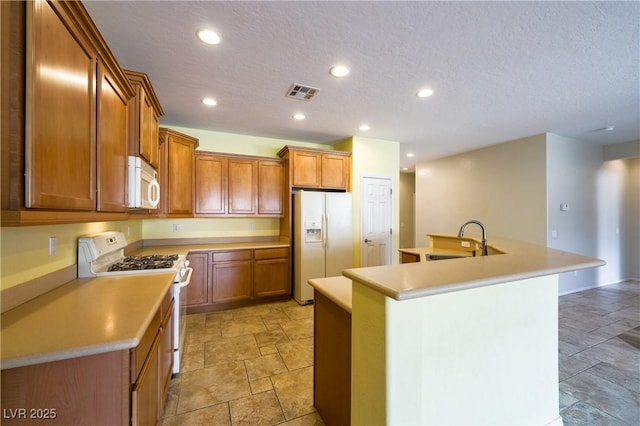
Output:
(339, 71)
(364, 127)
(410, 154)
(208, 36)
(604, 129)
(209, 101)
(299, 116)
(425, 93)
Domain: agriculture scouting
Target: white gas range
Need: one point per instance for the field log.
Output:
(103, 255)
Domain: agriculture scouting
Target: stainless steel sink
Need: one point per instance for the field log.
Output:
(444, 256)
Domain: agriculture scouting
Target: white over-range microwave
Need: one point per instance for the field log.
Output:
(144, 189)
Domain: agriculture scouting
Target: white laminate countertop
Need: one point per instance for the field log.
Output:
(520, 261)
(337, 289)
(86, 316)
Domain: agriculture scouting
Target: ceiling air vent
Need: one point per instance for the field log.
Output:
(304, 93)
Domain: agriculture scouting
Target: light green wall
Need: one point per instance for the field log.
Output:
(417, 361)
(210, 228)
(25, 250)
(240, 144)
(373, 158)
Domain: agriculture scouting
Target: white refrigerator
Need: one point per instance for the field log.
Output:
(322, 238)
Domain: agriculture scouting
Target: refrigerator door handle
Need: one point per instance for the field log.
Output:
(325, 233)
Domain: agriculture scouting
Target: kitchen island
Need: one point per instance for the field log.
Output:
(472, 340)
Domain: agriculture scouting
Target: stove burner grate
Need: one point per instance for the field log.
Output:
(152, 261)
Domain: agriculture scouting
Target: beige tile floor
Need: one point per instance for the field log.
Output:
(246, 366)
(254, 365)
(599, 356)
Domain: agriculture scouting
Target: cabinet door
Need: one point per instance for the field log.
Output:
(165, 357)
(144, 397)
(154, 153)
(148, 129)
(180, 190)
(112, 143)
(306, 169)
(270, 187)
(198, 288)
(271, 277)
(231, 276)
(243, 186)
(211, 184)
(335, 171)
(60, 113)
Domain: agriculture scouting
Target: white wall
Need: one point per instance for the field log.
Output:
(503, 186)
(620, 175)
(407, 209)
(516, 189)
(619, 219)
(572, 172)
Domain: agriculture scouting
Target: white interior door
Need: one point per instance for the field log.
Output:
(376, 221)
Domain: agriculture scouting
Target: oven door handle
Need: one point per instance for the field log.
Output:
(187, 278)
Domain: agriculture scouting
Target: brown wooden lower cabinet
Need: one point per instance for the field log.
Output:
(198, 288)
(271, 271)
(331, 361)
(409, 257)
(223, 279)
(231, 276)
(120, 387)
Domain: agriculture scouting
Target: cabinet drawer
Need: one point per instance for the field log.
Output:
(225, 256)
(272, 253)
(140, 352)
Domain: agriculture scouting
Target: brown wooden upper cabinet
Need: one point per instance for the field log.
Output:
(112, 146)
(243, 186)
(74, 96)
(177, 174)
(238, 185)
(270, 187)
(316, 168)
(144, 113)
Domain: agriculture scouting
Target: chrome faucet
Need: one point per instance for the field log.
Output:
(484, 234)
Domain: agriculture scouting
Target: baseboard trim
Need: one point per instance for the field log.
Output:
(556, 422)
(21, 293)
(576, 290)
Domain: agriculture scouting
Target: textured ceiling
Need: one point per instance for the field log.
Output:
(500, 70)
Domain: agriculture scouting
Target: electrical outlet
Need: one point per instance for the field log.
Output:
(465, 244)
(251, 227)
(176, 227)
(53, 245)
